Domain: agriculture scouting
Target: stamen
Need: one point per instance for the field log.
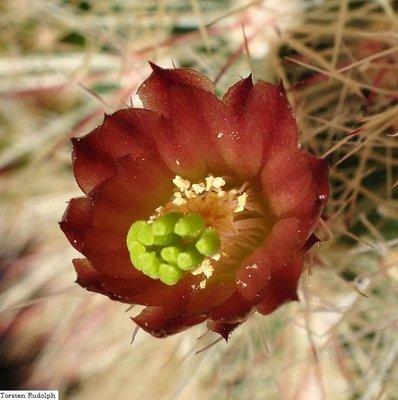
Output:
(212, 182)
(218, 183)
(241, 202)
(206, 226)
(198, 188)
(178, 199)
(182, 184)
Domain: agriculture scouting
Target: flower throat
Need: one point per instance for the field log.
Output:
(187, 235)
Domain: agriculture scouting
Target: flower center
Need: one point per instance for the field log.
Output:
(203, 227)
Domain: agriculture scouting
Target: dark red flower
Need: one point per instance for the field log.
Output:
(229, 169)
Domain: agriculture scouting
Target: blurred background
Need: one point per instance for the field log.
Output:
(63, 63)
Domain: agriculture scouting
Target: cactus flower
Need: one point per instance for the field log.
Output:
(198, 208)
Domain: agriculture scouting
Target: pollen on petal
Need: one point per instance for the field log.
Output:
(253, 276)
(205, 268)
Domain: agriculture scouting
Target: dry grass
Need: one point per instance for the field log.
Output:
(63, 63)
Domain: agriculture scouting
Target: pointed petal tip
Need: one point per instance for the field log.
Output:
(76, 220)
(74, 140)
(311, 241)
(223, 329)
(247, 83)
(248, 79)
(295, 297)
(155, 67)
(282, 89)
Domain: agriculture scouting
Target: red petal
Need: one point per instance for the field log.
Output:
(320, 174)
(181, 143)
(277, 252)
(125, 291)
(283, 243)
(124, 132)
(283, 247)
(198, 117)
(107, 251)
(154, 91)
(236, 97)
(268, 113)
(155, 321)
(317, 201)
(283, 286)
(76, 220)
(254, 274)
(138, 188)
(233, 311)
(205, 129)
(296, 184)
(242, 147)
(287, 181)
(196, 300)
(179, 151)
(138, 290)
(187, 297)
(264, 122)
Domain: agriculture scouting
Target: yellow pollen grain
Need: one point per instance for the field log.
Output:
(181, 184)
(241, 202)
(218, 182)
(209, 182)
(190, 194)
(214, 182)
(198, 188)
(178, 200)
(216, 257)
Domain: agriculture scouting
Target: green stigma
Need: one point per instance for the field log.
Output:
(171, 245)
